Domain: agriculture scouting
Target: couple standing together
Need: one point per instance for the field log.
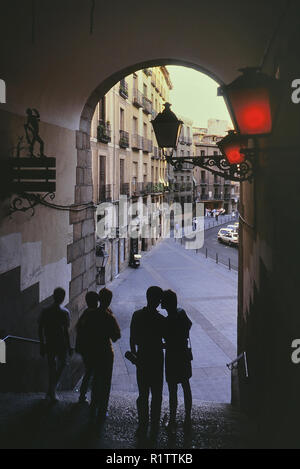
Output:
(150, 333)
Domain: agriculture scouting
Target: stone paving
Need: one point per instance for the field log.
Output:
(27, 421)
(208, 293)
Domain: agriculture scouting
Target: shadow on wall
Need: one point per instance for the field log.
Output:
(25, 370)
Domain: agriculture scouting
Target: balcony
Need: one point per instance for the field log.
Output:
(103, 132)
(147, 145)
(217, 196)
(147, 72)
(105, 193)
(203, 182)
(147, 105)
(227, 196)
(204, 196)
(135, 189)
(155, 155)
(137, 98)
(124, 188)
(136, 142)
(157, 188)
(123, 90)
(124, 139)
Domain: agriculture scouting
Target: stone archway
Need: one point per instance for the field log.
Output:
(81, 253)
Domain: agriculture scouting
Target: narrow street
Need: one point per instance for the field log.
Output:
(208, 293)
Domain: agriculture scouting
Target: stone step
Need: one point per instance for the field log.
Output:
(27, 421)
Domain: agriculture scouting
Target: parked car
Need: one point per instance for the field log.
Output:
(232, 227)
(228, 237)
(223, 232)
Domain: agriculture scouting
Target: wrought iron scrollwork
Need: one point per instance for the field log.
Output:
(218, 165)
(25, 202)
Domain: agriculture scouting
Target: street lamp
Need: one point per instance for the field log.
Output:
(252, 100)
(167, 128)
(231, 146)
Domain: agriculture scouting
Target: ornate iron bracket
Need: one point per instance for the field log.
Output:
(25, 202)
(218, 165)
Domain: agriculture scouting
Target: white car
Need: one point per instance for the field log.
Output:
(228, 237)
(223, 232)
(232, 227)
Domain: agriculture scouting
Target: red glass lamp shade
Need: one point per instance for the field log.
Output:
(231, 147)
(167, 128)
(252, 100)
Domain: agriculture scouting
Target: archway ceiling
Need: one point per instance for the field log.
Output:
(66, 63)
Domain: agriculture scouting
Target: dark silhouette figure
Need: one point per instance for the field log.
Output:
(178, 357)
(92, 301)
(32, 131)
(146, 333)
(97, 328)
(54, 323)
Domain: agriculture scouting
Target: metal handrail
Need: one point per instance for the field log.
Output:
(23, 339)
(233, 365)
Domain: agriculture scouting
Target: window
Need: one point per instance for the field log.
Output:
(121, 172)
(102, 116)
(122, 119)
(135, 125)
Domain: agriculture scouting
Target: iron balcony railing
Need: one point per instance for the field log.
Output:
(105, 193)
(147, 145)
(103, 132)
(136, 142)
(181, 186)
(147, 105)
(204, 196)
(227, 196)
(125, 188)
(123, 90)
(137, 98)
(124, 139)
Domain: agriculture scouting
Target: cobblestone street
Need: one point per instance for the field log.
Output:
(208, 293)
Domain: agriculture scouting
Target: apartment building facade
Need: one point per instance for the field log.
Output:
(182, 182)
(212, 190)
(126, 161)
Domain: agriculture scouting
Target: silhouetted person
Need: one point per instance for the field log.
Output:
(54, 323)
(82, 342)
(146, 333)
(178, 360)
(100, 328)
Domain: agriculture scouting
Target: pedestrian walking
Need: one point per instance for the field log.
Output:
(54, 323)
(178, 358)
(146, 334)
(97, 329)
(82, 342)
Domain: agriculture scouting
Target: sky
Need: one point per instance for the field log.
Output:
(194, 96)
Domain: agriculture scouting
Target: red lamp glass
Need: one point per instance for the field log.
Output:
(252, 101)
(231, 147)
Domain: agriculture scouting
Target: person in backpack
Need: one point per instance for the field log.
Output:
(54, 323)
(178, 357)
